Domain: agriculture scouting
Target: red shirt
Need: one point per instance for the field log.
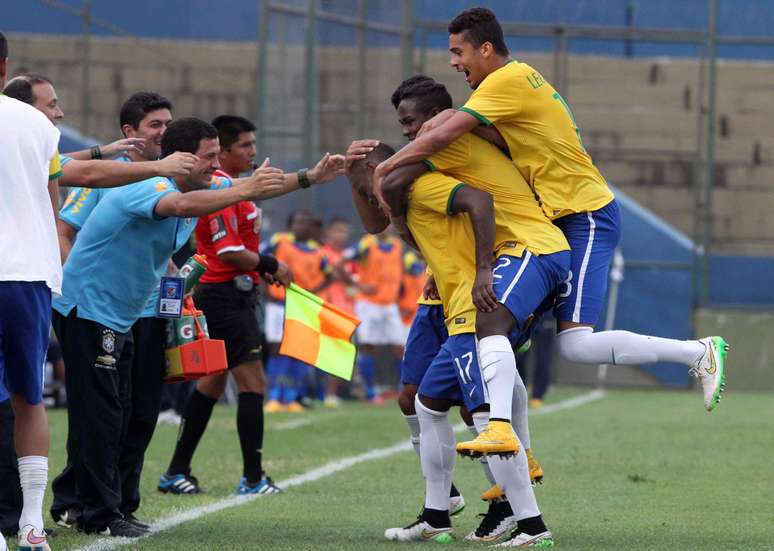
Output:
(231, 229)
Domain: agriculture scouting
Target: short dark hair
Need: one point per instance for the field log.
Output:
(230, 127)
(185, 134)
(428, 93)
(298, 212)
(380, 153)
(3, 47)
(480, 25)
(140, 104)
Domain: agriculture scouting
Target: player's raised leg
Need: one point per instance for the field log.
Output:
(593, 237)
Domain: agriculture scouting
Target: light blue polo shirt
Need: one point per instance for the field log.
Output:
(77, 208)
(121, 253)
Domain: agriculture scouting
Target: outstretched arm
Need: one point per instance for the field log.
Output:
(479, 206)
(424, 146)
(104, 174)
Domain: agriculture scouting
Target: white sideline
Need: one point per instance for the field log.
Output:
(105, 544)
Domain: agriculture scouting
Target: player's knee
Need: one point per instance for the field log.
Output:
(406, 400)
(572, 347)
(213, 386)
(497, 322)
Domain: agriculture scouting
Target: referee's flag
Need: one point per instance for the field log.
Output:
(318, 333)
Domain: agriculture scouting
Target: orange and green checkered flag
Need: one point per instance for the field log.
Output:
(318, 333)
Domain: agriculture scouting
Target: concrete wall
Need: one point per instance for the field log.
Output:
(638, 117)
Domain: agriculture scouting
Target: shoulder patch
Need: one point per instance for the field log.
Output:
(217, 228)
(161, 186)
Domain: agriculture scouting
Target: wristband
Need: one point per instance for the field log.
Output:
(303, 179)
(96, 153)
(267, 264)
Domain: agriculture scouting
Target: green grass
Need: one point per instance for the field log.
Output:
(633, 471)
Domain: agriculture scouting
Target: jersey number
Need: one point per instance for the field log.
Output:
(565, 288)
(465, 371)
(572, 118)
(504, 263)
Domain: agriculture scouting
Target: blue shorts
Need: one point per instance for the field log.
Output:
(523, 284)
(455, 374)
(25, 323)
(426, 335)
(593, 237)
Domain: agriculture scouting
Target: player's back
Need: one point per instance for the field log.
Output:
(520, 222)
(543, 138)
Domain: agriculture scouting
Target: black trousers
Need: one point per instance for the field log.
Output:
(147, 382)
(98, 363)
(10, 487)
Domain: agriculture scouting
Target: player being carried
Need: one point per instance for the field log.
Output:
(544, 142)
(460, 230)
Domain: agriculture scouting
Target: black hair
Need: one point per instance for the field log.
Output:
(230, 127)
(185, 134)
(480, 25)
(426, 92)
(20, 87)
(140, 104)
(3, 47)
(292, 216)
(380, 153)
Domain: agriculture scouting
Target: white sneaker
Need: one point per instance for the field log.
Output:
(420, 530)
(32, 540)
(497, 524)
(169, 417)
(456, 505)
(543, 540)
(711, 370)
(3, 544)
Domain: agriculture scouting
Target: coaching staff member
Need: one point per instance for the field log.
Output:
(121, 253)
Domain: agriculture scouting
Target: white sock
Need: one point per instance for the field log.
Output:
(33, 474)
(413, 425)
(484, 463)
(437, 456)
(520, 412)
(512, 475)
(583, 345)
(498, 365)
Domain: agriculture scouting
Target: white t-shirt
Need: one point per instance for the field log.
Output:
(29, 249)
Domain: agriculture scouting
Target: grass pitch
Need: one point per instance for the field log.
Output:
(635, 470)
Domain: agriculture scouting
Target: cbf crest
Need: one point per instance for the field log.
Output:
(108, 341)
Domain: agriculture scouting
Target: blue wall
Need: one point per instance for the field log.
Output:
(237, 20)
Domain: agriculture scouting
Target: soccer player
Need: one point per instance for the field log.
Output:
(311, 270)
(457, 228)
(228, 295)
(30, 273)
(544, 142)
(379, 260)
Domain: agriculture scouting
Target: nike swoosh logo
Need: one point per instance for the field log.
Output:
(428, 535)
(712, 368)
(33, 539)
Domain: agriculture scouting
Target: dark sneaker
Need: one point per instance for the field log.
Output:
(120, 528)
(179, 484)
(131, 519)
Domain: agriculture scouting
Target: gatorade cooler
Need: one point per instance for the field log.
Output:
(190, 353)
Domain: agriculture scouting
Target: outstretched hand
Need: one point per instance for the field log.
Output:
(266, 181)
(122, 147)
(327, 168)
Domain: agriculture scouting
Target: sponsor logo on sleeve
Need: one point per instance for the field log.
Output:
(217, 228)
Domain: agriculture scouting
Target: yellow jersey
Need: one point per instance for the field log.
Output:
(55, 167)
(543, 139)
(447, 243)
(519, 221)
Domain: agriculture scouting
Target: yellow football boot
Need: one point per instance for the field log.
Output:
(273, 406)
(535, 469)
(498, 438)
(493, 493)
(294, 407)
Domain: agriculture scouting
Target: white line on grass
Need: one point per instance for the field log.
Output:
(294, 423)
(333, 467)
